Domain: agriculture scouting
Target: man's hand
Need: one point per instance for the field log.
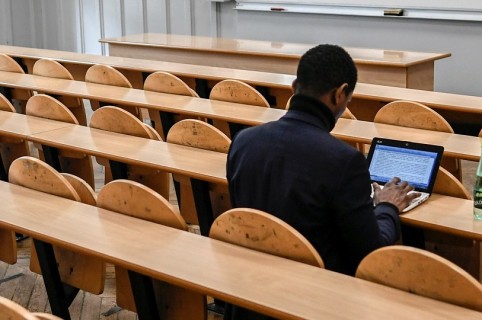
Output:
(395, 192)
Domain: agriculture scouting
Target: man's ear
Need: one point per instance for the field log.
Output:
(293, 85)
(340, 93)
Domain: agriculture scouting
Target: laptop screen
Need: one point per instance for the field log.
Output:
(415, 163)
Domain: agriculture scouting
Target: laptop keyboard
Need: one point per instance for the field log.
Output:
(414, 203)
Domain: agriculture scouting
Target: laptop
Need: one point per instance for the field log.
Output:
(415, 163)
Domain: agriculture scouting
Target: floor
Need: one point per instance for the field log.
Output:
(26, 288)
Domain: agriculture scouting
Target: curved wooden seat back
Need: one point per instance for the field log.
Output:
(84, 190)
(10, 310)
(6, 105)
(79, 164)
(52, 69)
(264, 232)
(237, 92)
(107, 75)
(448, 185)
(75, 269)
(165, 82)
(8, 64)
(115, 119)
(412, 115)
(287, 106)
(134, 199)
(44, 106)
(199, 134)
(422, 273)
(20, 96)
(347, 114)
(462, 251)
(32, 173)
(415, 115)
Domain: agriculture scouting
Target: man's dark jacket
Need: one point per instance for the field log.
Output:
(294, 169)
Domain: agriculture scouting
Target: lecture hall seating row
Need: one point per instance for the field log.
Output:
(234, 271)
(460, 110)
(459, 146)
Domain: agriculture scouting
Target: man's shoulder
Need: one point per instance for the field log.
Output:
(256, 132)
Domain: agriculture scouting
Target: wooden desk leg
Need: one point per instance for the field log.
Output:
(7, 92)
(118, 169)
(412, 236)
(202, 201)
(51, 155)
(60, 295)
(265, 93)
(167, 121)
(202, 88)
(3, 172)
(177, 189)
(144, 296)
(21, 64)
(234, 128)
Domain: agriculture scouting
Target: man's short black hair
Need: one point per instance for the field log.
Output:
(324, 68)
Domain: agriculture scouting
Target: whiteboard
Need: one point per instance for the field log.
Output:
(470, 10)
(403, 4)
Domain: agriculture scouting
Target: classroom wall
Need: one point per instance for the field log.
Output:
(76, 25)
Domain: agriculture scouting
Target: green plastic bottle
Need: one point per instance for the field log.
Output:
(478, 192)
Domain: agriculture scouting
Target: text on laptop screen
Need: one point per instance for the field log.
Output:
(413, 166)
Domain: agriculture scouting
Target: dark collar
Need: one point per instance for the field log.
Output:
(308, 105)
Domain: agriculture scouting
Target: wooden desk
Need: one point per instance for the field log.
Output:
(210, 166)
(192, 162)
(20, 126)
(367, 98)
(202, 167)
(241, 276)
(388, 67)
(459, 146)
(446, 214)
(455, 108)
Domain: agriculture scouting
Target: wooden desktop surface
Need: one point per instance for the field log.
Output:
(388, 67)
(192, 162)
(271, 48)
(234, 274)
(20, 126)
(446, 214)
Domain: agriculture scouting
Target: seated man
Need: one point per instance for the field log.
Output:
(296, 170)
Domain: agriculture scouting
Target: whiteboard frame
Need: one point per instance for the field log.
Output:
(466, 10)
